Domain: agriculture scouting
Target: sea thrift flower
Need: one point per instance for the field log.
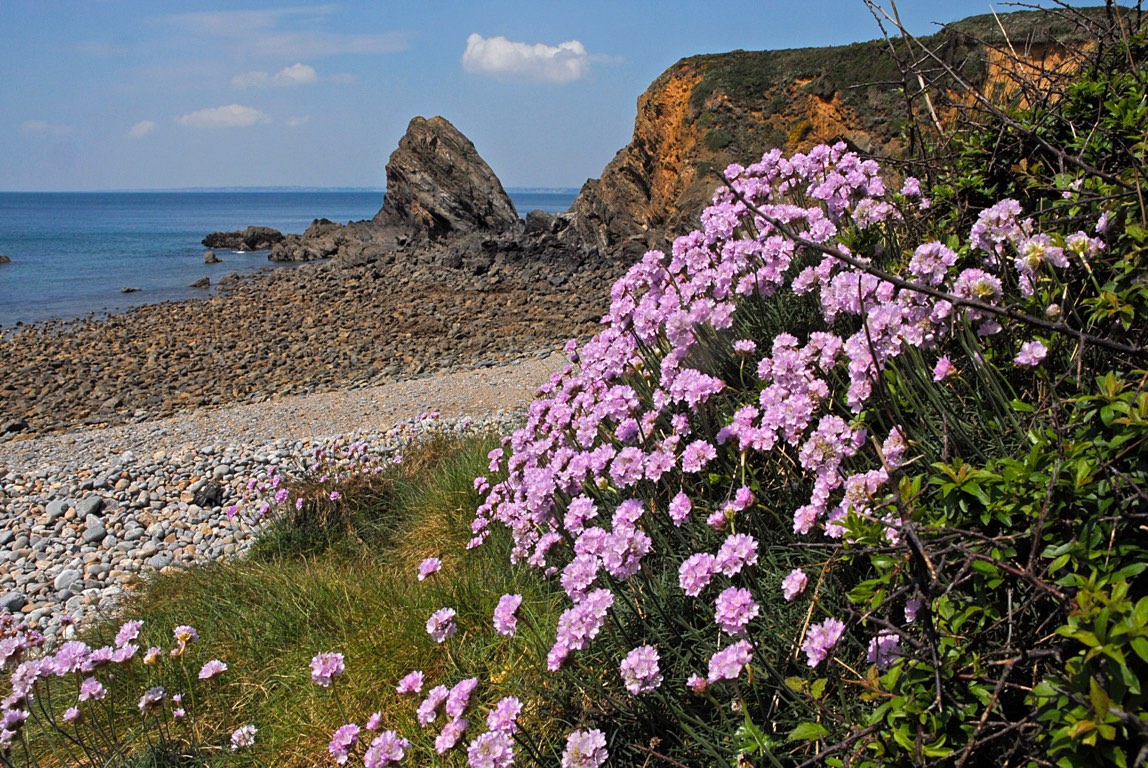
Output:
(325, 667)
(451, 733)
(411, 683)
(884, 649)
(911, 609)
(695, 573)
(493, 749)
(697, 455)
(698, 684)
(734, 609)
(388, 747)
(152, 698)
(375, 721)
(129, 631)
(459, 697)
(728, 663)
(505, 620)
(92, 689)
(738, 551)
(943, 369)
(1031, 354)
(428, 709)
(185, 635)
(639, 669)
(679, 508)
(243, 737)
(211, 669)
(71, 715)
(793, 584)
(429, 566)
(820, 639)
(504, 716)
(343, 741)
(441, 625)
(334, 495)
(585, 749)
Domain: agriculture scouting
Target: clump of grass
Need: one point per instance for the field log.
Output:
(342, 578)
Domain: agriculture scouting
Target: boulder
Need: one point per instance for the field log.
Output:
(4, 259)
(129, 289)
(209, 257)
(203, 282)
(439, 187)
(250, 239)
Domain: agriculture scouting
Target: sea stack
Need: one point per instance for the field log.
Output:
(438, 186)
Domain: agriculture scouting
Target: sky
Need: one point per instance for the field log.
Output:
(134, 94)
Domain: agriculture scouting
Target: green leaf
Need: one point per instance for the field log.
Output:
(808, 732)
(817, 690)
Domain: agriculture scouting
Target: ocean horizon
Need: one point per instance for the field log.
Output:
(73, 252)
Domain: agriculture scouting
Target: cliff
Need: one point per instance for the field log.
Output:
(708, 111)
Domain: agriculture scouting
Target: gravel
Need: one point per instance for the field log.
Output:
(88, 514)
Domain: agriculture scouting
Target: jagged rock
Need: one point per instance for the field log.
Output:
(209, 257)
(250, 239)
(129, 289)
(438, 186)
(210, 495)
(4, 259)
(203, 282)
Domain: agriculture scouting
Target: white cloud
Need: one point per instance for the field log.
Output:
(296, 74)
(295, 122)
(44, 128)
(230, 116)
(142, 128)
(498, 56)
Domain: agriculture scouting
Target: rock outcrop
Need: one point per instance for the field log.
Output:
(706, 112)
(438, 186)
(4, 259)
(438, 189)
(250, 239)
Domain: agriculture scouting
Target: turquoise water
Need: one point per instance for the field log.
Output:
(72, 253)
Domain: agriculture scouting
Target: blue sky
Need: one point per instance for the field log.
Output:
(126, 94)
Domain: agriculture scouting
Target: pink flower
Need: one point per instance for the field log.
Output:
(820, 639)
(411, 683)
(640, 671)
(728, 663)
(794, 584)
(493, 749)
(325, 667)
(212, 669)
(504, 716)
(505, 620)
(585, 749)
(451, 733)
(343, 741)
(1031, 354)
(334, 496)
(243, 737)
(429, 566)
(441, 625)
(943, 369)
(388, 747)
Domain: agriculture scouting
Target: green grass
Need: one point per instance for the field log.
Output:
(350, 588)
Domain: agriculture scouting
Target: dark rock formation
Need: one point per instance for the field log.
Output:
(4, 259)
(129, 289)
(439, 187)
(250, 239)
(209, 257)
(203, 282)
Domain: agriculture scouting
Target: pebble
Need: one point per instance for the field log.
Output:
(83, 524)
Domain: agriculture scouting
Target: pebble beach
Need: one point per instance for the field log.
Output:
(99, 490)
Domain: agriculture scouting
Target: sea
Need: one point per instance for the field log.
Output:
(73, 253)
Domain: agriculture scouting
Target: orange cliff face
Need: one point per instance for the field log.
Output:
(706, 112)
